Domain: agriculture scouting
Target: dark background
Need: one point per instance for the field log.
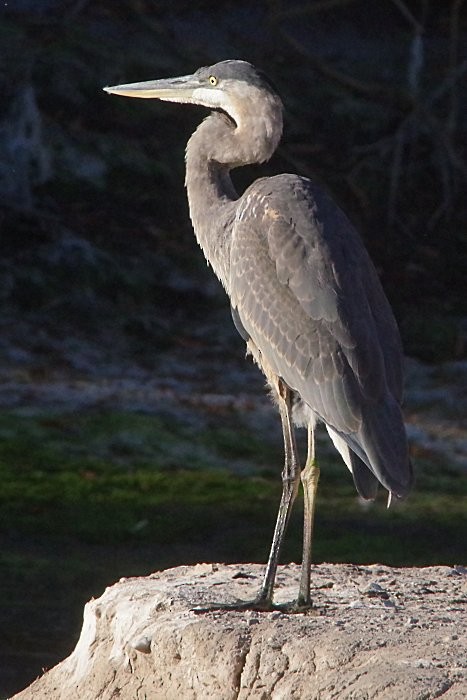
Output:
(375, 110)
(100, 275)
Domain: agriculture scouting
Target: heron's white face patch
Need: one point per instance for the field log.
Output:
(217, 99)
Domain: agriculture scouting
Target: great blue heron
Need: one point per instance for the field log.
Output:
(303, 291)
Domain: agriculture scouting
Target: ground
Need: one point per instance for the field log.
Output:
(373, 632)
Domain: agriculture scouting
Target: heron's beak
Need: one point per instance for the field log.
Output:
(171, 89)
(188, 89)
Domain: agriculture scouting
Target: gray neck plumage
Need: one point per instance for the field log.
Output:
(211, 194)
(217, 146)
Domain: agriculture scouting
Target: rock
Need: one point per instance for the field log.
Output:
(142, 638)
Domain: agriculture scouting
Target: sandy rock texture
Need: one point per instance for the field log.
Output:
(375, 632)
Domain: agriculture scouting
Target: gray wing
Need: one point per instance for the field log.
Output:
(304, 289)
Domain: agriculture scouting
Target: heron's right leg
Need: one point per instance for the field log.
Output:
(290, 484)
(310, 478)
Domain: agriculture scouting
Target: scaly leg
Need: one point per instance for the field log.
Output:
(290, 482)
(310, 478)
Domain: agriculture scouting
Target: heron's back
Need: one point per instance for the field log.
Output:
(308, 296)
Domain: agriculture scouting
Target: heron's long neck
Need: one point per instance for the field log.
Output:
(211, 194)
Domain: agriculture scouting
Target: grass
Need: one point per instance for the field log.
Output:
(104, 477)
(92, 496)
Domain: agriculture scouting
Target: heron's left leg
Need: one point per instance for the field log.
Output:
(290, 484)
(310, 478)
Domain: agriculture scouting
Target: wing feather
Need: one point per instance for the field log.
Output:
(306, 293)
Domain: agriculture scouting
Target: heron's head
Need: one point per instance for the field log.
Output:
(235, 87)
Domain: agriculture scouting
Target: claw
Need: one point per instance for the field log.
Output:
(258, 605)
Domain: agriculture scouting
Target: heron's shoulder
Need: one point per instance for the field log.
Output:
(280, 188)
(292, 199)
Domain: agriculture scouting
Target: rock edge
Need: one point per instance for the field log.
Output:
(375, 632)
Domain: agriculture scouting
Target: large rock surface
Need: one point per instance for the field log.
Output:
(375, 632)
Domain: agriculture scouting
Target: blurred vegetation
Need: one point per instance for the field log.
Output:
(376, 117)
(70, 475)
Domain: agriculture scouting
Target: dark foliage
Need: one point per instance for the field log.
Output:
(375, 117)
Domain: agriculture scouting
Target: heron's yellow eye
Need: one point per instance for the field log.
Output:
(212, 80)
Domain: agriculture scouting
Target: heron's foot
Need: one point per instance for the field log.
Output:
(296, 606)
(257, 604)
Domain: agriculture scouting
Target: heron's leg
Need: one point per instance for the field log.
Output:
(290, 482)
(310, 478)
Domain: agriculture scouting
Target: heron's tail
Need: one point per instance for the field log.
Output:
(365, 481)
(383, 441)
